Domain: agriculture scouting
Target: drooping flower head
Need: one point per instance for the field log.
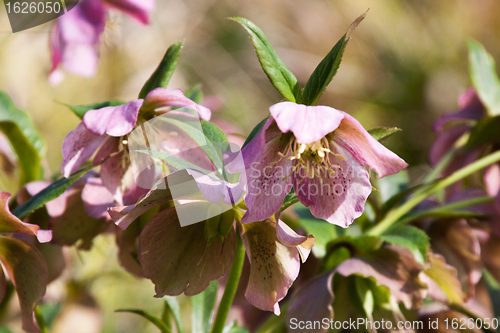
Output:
(104, 131)
(184, 259)
(76, 36)
(319, 151)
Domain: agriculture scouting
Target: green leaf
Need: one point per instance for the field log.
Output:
(154, 320)
(25, 140)
(410, 237)
(49, 312)
(81, 110)
(164, 71)
(173, 304)
(485, 131)
(4, 329)
(194, 94)
(381, 133)
(484, 77)
(279, 75)
(327, 68)
(202, 307)
(49, 193)
(256, 130)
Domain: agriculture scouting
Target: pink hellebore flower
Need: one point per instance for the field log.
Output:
(76, 35)
(104, 131)
(185, 259)
(320, 151)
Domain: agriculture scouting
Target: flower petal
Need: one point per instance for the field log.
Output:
(340, 198)
(138, 9)
(444, 142)
(124, 216)
(290, 238)
(28, 271)
(353, 137)
(11, 224)
(78, 146)
(307, 123)
(127, 240)
(215, 190)
(392, 266)
(113, 120)
(312, 302)
(471, 109)
(458, 244)
(97, 199)
(108, 147)
(112, 174)
(161, 97)
(179, 259)
(492, 180)
(273, 266)
(73, 224)
(266, 180)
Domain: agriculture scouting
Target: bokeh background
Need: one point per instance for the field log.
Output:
(405, 65)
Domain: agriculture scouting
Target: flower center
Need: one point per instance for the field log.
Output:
(313, 158)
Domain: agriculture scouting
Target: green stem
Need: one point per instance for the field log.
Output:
(39, 320)
(448, 210)
(419, 196)
(289, 203)
(443, 163)
(231, 286)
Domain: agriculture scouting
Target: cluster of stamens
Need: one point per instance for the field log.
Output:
(312, 158)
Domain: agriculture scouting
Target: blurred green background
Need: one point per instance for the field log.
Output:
(405, 65)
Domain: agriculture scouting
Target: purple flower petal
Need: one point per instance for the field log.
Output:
(290, 238)
(392, 266)
(307, 123)
(28, 271)
(138, 9)
(340, 198)
(113, 120)
(69, 221)
(471, 108)
(161, 97)
(353, 137)
(179, 259)
(312, 302)
(444, 142)
(215, 190)
(78, 146)
(458, 244)
(97, 199)
(11, 224)
(108, 147)
(124, 216)
(75, 38)
(273, 266)
(112, 174)
(3, 284)
(267, 182)
(492, 180)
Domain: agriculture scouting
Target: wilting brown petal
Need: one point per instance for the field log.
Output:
(392, 266)
(455, 240)
(28, 271)
(490, 254)
(126, 240)
(442, 282)
(312, 302)
(273, 266)
(178, 259)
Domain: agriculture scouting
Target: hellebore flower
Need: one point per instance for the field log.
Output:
(104, 131)
(320, 151)
(23, 263)
(76, 35)
(185, 259)
(450, 128)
